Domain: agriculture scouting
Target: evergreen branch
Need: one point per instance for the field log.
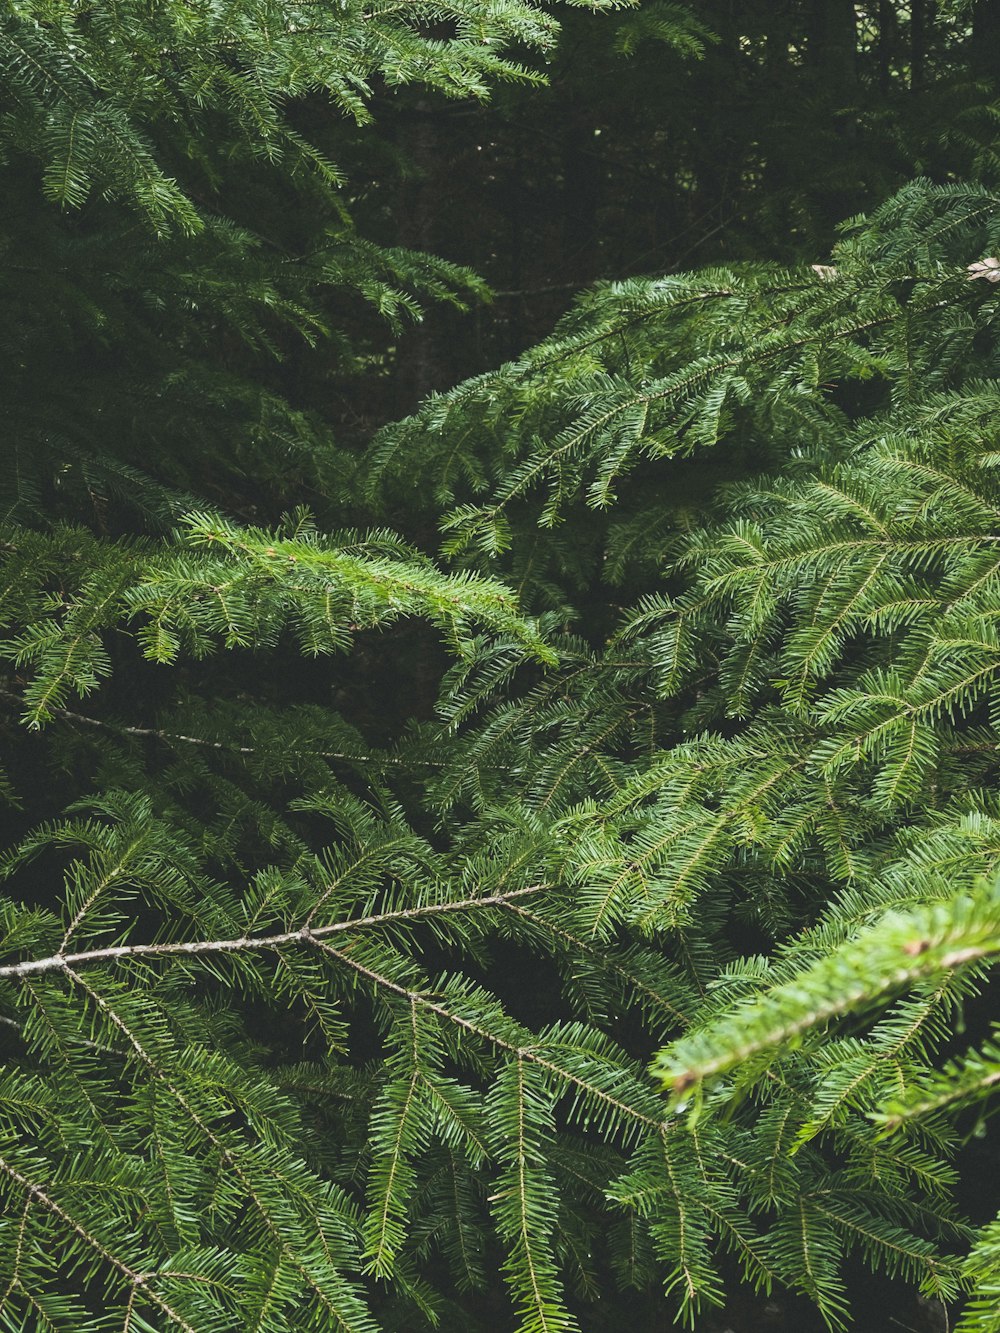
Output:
(902, 949)
(226, 1154)
(602, 959)
(156, 733)
(834, 1094)
(135, 1279)
(304, 935)
(962, 1082)
(523, 1052)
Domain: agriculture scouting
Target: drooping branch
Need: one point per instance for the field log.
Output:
(228, 1156)
(602, 959)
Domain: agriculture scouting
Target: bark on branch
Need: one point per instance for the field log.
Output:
(58, 962)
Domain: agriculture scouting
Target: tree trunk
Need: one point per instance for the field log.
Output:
(985, 60)
(921, 28)
(833, 45)
(719, 143)
(888, 37)
(778, 35)
(833, 53)
(581, 196)
(418, 346)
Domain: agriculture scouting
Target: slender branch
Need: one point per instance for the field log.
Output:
(156, 733)
(227, 1154)
(135, 1279)
(539, 291)
(521, 1053)
(58, 962)
(602, 957)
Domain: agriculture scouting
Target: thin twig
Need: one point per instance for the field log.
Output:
(156, 733)
(136, 1280)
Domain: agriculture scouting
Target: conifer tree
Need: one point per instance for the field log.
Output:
(793, 739)
(309, 1024)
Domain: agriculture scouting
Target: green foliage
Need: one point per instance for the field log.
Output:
(222, 583)
(203, 235)
(329, 987)
(795, 736)
(88, 87)
(799, 733)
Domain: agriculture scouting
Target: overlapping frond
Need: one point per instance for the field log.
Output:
(335, 1026)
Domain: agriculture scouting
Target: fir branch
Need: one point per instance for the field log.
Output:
(305, 935)
(134, 1279)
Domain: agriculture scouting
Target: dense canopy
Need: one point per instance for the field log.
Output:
(500, 600)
